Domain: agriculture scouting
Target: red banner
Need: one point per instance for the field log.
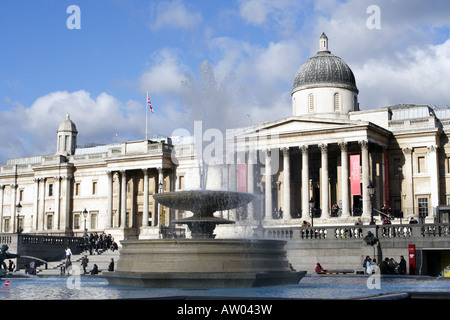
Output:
(355, 179)
(386, 181)
(242, 177)
(412, 258)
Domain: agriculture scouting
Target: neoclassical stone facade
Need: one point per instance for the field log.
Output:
(328, 152)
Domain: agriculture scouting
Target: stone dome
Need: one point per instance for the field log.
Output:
(67, 126)
(324, 70)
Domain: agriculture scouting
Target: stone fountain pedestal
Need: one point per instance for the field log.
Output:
(203, 261)
(199, 263)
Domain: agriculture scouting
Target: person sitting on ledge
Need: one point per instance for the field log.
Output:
(319, 268)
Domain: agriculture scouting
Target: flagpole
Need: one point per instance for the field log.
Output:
(146, 120)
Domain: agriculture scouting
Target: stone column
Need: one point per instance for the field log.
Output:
(42, 205)
(365, 178)
(407, 187)
(344, 181)
(305, 183)
(434, 176)
(324, 183)
(160, 189)
(286, 185)
(56, 224)
(268, 176)
(145, 207)
(123, 198)
(65, 203)
(13, 206)
(109, 208)
(35, 205)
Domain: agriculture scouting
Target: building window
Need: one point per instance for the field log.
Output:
(423, 207)
(76, 221)
(21, 195)
(93, 220)
(77, 189)
(94, 187)
(421, 165)
(336, 102)
(448, 164)
(6, 223)
(20, 224)
(50, 190)
(49, 221)
(355, 103)
(311, 102)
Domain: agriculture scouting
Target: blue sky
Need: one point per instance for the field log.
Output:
(230, 63)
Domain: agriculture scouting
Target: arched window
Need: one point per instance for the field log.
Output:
(311, 102)
(336, 102)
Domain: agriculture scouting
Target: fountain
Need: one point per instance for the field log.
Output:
(203, 261)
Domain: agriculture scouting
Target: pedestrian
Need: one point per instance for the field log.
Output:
(413, 221)
(368, 265)
(94, 270)
(32, 269)
(84, 263)
(68, 254)
(319, 268)
(384, 268)
(402, 266)
(11, 266)
(111, 265)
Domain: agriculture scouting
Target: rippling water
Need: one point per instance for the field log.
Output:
(310, 287)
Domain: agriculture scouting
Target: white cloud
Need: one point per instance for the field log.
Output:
(174, 14)
(421, 77)
(164, 75)
(32, 130)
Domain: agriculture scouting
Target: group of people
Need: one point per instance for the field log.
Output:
(94, 242)
(387, 266)
(95, 270)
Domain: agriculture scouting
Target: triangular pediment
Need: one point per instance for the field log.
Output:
(303, 124)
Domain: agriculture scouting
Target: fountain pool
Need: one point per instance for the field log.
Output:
(311, 287)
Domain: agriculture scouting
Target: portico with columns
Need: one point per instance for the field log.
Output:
(314, 164)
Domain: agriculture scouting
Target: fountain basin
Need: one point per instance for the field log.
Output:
(203, 263)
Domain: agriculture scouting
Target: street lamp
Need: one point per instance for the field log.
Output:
(85, 213)
(311, 208)
(371, 189)
(18, 209)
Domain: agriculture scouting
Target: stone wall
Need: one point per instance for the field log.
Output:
(344, 247)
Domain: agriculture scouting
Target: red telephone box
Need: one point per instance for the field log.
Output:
(412, 258)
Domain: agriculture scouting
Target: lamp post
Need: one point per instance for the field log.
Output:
(400, 176)
(85, 213)
(371, 189)
(18, 209)
(311, 208)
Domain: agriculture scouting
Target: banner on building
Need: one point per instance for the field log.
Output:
(386, 181)
(242, 177)
(355, 179)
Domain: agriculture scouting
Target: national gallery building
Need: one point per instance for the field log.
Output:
(329, 163)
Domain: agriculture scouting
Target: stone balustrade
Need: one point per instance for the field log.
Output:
(327, 233)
